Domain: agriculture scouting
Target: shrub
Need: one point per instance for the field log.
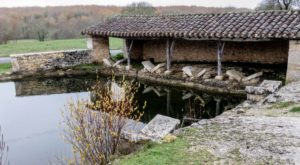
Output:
(94, 128)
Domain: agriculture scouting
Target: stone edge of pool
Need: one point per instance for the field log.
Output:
(104, 71)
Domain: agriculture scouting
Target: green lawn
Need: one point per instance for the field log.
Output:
(27, 46)
(4, 68)
(166, 154)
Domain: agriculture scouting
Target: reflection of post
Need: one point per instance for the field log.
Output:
(168, 101)
(218, 106)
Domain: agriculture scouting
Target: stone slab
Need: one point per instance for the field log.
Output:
(271, 86)
(131, 131)
(188, 71)
(148, 65)
(253, 76)
(256, 90)
(159, 127)
(255, 98)
(236, 75)
(157, 67)
(108, 62)
(200, 74)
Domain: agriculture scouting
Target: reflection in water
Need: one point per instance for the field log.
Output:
(3, 150)
(188, 106)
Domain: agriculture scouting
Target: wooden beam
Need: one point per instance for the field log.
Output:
(220, 53)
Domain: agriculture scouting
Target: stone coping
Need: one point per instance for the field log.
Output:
(133, 74)
(49, 52)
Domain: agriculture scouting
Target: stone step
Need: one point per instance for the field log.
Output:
(159, 127)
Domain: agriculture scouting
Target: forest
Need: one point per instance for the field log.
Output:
(51, 23)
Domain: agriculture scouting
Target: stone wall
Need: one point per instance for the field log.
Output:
(34, 62)
(100, 49)
(273, 52)
(293, 71)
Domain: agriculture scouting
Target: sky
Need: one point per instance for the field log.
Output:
(208, 3)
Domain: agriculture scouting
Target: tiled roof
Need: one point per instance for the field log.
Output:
(247, 25)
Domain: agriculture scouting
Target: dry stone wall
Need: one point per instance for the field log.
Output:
(42, 61)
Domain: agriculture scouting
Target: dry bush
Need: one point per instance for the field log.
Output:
(94, 128)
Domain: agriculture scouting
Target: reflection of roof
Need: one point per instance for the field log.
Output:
(247, 25)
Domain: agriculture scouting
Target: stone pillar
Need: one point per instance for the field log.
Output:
(293, 70)
(100, 49)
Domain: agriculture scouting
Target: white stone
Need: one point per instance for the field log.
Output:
(253, 76)
(148, 65)
(108, 62)
(256, 90)
(131, 131)
(157, 67)
(119, 62)
(220, 77)
(200, 74)
(236, 75)
(270, 85)
(188, 71)
(187, 96)
(159, 127)
(167, 72)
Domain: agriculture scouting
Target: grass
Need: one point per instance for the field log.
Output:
(166, 153)
(282, 105)
(27, 46)
(295, 110)
(5, 68)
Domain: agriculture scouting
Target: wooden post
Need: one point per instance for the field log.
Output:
(128, 48)
(220, 53)
(169, 51)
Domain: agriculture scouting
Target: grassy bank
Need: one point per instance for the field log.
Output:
(176, 152)
(5, 68)
(26, 46)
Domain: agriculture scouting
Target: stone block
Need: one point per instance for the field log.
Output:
(255, 98)
(148, 65)
(159, 127)
(157, 67)
(253, 76)
(108, 62)
(222, 77)
(256, 90)
(188, 70)
(271, 86)
(236, 75)
(201, 73)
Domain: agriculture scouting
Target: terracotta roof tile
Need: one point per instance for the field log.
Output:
(247, 25)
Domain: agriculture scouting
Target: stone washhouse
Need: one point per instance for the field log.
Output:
(264, 37)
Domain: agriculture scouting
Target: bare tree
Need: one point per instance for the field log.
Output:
(278, 4)
(139, 8)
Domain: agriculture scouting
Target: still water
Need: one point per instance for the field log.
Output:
(30, 113)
